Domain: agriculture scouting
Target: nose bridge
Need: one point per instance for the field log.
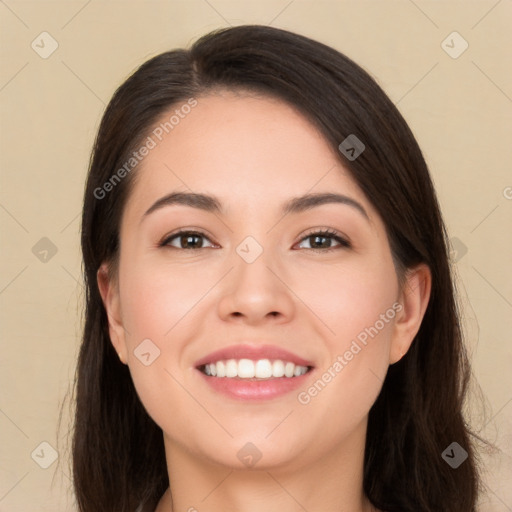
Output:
(253, 264)
(254, 289)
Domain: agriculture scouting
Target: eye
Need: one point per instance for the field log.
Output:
(322, 240)
(186, 240)
(318, 240)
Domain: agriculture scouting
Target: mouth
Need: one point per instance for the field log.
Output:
(254, 372)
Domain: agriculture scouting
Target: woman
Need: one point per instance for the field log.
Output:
(270, 320)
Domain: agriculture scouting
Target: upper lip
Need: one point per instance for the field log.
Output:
(254, 352)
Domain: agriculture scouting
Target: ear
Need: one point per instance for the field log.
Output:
(414, 298)
(109, 291)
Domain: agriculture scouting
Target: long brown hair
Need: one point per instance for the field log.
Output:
(418, 413)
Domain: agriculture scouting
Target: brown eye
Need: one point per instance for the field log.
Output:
(186, 240)
(323, 240)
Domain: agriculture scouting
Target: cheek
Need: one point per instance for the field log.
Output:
(155, 299)
(357, 308)
(161, 303)
(158, 312)
(349, 299)
(351, 375)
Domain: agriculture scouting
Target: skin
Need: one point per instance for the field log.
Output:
(254, 153)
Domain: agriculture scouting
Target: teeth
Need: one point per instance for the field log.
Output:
(278, 368)
(289, 370)
(221, 369)
(231, 368)
(263, 369)
(247, 369)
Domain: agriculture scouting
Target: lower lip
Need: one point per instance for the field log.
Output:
(244, 389)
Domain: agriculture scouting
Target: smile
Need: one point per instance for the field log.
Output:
(262, 369)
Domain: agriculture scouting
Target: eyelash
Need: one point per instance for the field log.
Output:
(326, 233)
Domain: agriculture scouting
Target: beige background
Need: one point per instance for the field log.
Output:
(459, 108)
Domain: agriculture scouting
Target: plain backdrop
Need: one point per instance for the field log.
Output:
(446, 65)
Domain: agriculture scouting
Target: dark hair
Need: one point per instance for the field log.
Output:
(418, 412)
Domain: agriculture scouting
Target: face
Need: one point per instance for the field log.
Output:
(313, 285)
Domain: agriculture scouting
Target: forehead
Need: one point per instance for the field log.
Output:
(255, 150)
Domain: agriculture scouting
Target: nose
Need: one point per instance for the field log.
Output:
(255, 293)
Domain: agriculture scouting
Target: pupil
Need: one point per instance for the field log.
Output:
(316, 238)
(187, 238)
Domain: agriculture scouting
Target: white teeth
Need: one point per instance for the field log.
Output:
(278, 368)
(263, 369)
(245, 369)
(231, 368)
(289, 369)
(221, 369)
(248, 369)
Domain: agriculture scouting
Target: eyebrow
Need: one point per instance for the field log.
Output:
(211, 204)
